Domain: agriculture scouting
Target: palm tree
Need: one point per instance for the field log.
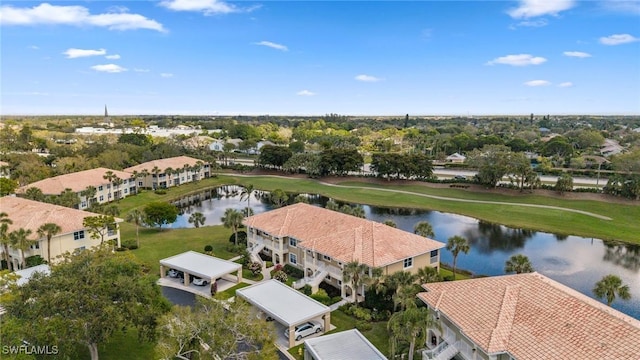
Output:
(355, 274)
(610, 286)
(423, 228)
(246, 192)
(169, 172)
(155, 171)
(457, 244)
(247, 212)
(358, 211)
(109, 176)
(332, 205)
(49, 230)
(402, 283)
(4, 235)
(197, 219)
(34, 193)
(428, 274)
(519, 264)
(89, 194)
(20, 240)
(232, 219)
(136, 217)
(410, 326)
(391, 223)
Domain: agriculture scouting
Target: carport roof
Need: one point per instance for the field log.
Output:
(349, 344)
(286, 305)
(200, 265)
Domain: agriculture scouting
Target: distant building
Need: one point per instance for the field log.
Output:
(456, 158)
(610, 147)
(121, 186)
(30, 215)
(5, 172)
(165, 173)
(525, 316)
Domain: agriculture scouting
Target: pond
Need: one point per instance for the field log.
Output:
(575, 261)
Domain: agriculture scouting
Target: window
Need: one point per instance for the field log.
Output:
(100, 188)
(328, 258)
(293, 258)
(78, 235)
(339, 282)
(35, 246)
(140, 183)
(108, 186)
(101, 197)
(109, 195)
(293, 242)
(81, 248)
(126, 191)
(83, 204)
(434, 253)
(408, 262)
(328, 277)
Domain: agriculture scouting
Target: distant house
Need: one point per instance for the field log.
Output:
(30, 215)
(218, 144)
(121, 186)
(610, 147)
(525, 316)
(321, 241)
(165, 173)
(456, 158)
(198, 142)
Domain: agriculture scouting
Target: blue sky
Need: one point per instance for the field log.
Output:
(319, 57)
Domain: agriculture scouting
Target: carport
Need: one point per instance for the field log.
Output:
(203, 266)
(285, 305)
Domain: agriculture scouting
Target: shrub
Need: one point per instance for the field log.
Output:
(361, 313)
(278, 267)
(280, 276)
(121, 249)
(255, 267)
(208, 248)
(363, 325)
(268, 264)
(160, 191)
(306, 289)
(242, 238)
(378, 301)
(293, 271)
(321, 296)
(34, 260)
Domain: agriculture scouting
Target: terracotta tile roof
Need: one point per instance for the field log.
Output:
(343, 237)
(29, 215)
(76, 181)
(533, 317)
(4, 163)
(174, 163)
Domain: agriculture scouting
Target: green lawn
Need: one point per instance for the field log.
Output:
(125, 346)
(229, 293)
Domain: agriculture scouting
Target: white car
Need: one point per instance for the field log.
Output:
(304, 330)
(200, 282)
(173, 273)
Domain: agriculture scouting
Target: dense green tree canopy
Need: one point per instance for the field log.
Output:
(160, 213)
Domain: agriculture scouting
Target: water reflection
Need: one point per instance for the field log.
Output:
(574, 261)
(488, 237)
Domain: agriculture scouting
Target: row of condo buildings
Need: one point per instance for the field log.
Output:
(102, 185)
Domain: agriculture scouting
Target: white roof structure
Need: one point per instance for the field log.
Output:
(201, 265)
(25, 274)
(284, 304)
(349, 344)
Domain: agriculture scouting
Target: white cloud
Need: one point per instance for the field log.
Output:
(518, 60)
(34, 47)
(532, 23)
(76, 16)
(618, 39)
(534, 8)
(110, 68)
(272, 45)
(208, 7)
(73, 53)
(367, 78)
(166, 75)
(305, 93)
(142, 70)
(578, 54)
(622, 6)
(537, 83)
(113, 57)
(565, 84)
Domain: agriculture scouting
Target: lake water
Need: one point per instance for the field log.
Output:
(571, 260)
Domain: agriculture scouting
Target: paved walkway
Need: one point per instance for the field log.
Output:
(587, 213)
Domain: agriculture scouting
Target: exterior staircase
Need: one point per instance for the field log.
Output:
(313, 280)
(255, 251)
(444, 351)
